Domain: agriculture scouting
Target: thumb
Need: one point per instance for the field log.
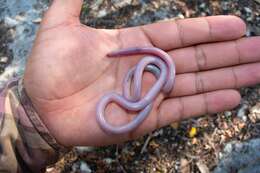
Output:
(62, 12)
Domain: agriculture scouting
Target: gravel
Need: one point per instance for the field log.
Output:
(240, 157)
(19, 21)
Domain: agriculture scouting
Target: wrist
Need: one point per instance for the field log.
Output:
(36, 120)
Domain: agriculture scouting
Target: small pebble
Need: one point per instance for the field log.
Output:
(84, 168)
(254, 115)
(37, 21)
(120, 3)
(83, 150)
(181, 16)
(75, 167)
(224, 5)
(248, 10)
(102, 13)
(108, 161)
(3, 59)
(20, 18)
(241, 113)
(49, 169)
(248, 33)
(10, 22)
(96, 5)
(227, 113)
(202, 5)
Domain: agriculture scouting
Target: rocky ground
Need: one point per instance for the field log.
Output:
(19, 21)
(226, 142)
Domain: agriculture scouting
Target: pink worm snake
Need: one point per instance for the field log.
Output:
(161, 65)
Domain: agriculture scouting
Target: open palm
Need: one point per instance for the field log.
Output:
(68, 71)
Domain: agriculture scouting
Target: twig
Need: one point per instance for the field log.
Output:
(118, 162)
(144, 148)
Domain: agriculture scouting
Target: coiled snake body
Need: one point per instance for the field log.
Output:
(161, 65)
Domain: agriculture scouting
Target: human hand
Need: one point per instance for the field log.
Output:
(68, 71)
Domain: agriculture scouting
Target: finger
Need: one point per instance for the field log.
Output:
(177, 109)
(190, 106)
(216, 55)
(62, 12)
(226, 78)
(181, 33)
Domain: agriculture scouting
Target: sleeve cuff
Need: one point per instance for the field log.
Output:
(37, 122)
